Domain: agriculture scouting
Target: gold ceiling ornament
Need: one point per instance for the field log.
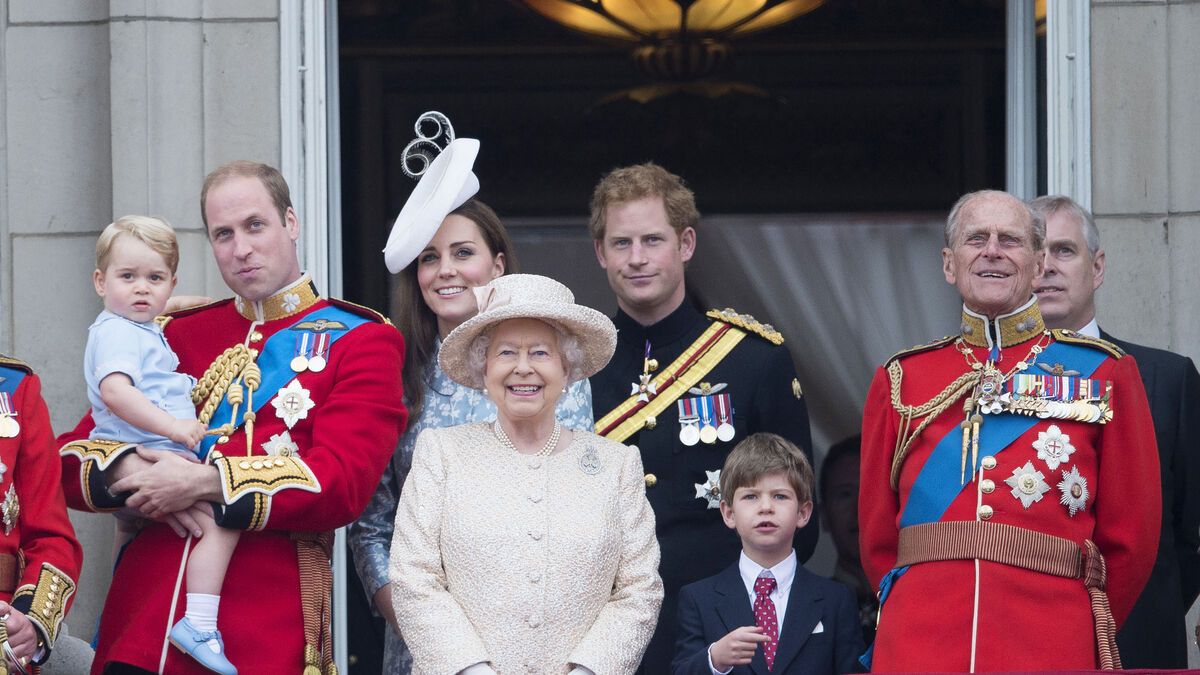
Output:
(673, 39)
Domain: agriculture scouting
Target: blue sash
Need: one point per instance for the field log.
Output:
(12, 380)
(274, 360)
(939, 481)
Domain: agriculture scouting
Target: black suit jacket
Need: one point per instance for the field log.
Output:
(709, 609)
(1155, 634)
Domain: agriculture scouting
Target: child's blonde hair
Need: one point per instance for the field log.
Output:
(151, 231)
(761, 454)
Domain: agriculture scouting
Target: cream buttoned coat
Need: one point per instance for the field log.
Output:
(531, 564)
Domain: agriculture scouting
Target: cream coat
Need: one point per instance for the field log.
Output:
(530, 564)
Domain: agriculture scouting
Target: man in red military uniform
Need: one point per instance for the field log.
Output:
(302, 398)
(1008, 474)
(39, 557)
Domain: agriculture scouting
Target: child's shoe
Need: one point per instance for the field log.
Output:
(207, 647)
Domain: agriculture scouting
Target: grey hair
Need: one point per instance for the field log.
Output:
(568, 346)
(1049, 205)
(1037, 223)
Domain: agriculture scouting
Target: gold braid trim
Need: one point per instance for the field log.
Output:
(929, 410)
(1086, 340)
(747, 323)
(99, 450)
(225, 378)
(50, 596)
(263, 474)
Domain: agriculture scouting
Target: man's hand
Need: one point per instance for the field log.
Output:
(187, 433)
(736, 648)
(171, 484)
(22, 636)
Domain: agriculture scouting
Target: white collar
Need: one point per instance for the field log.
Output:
(784, 572)
(1092, 329)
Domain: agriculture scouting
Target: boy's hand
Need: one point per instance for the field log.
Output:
(187, 432)
(178, 302)
(736, 648)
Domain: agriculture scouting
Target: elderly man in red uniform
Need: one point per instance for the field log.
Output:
(39, 557)
(302, 398)
(1008, 474)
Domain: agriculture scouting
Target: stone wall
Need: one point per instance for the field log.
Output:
(106, 109)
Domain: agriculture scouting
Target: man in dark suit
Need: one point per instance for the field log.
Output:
(1155, 634)
(683, 386)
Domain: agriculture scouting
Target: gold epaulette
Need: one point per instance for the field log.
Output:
(1103, 345)
(940, 342)
(9, 362)
(747, 323)
(360, 310)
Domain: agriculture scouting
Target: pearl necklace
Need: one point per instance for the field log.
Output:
(546, 449)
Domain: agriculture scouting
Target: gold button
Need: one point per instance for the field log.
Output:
(987, 486)
(223, 440)
(989, 462)
(651, 422)
(216, 454)
(985, 512)
(244, 465)
(280, 462)
(255, 336)
(47, 613)
(651, 480)
(256, 465)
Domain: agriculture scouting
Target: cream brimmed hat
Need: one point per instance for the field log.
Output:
(529, 296)
(446, 185)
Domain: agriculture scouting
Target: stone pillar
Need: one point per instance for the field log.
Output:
(108, 109)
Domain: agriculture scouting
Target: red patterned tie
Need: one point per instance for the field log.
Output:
(764, 616)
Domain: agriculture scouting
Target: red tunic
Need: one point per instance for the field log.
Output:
(345, 441)
(1026, 620)
(30, 490)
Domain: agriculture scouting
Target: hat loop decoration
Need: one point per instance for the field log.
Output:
(424, 148)
(443, 163)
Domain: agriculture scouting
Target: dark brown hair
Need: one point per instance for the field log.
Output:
(761, 454)
(418, 323)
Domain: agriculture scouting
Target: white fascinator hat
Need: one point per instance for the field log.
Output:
(447, 182)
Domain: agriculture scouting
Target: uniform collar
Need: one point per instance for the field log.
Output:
(1021, 325)
(671, 328)
(290, 300)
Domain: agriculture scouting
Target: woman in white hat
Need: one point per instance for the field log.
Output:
(441, 249)
(520, 546)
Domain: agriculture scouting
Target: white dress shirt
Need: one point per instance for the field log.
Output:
(1092, 329)
(784, 573)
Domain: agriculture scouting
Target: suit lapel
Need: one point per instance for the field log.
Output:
(735, 610)
(804, 611)
(1145, 367)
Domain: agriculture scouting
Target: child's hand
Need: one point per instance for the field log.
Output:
(187, 432)
(736, 648)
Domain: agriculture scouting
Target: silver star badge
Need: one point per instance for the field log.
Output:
(1074, 491)
(710, 490)
(292, 403)
(281, 445)
(644, 388)
(1028, 484)
(1053, 446)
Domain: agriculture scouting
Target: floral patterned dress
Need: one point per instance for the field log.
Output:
(447, 404)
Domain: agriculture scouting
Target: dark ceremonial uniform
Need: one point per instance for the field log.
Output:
(1156, 634)
(752, 383)
(993, 542)
(39, 556)
(328, 418)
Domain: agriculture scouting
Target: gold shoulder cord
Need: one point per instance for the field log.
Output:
(930, 410)
(226, 376)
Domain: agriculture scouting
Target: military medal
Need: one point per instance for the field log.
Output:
(1028, 484)
(689, 421)
(710, 490)
(645, 387)
(9, 428)
(299, 363)
(320, 351)
(11, 509)
(292, 403)
(708, 431)
(1053, 446)
(725, 429)
(1074, 491)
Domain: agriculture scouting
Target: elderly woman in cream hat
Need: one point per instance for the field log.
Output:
(521, 547)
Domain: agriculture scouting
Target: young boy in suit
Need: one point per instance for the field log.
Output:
(803, 623)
